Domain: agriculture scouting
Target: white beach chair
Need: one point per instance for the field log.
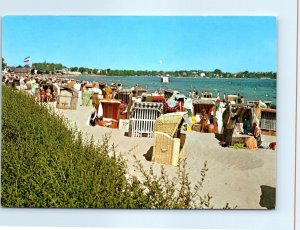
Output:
(142, 118)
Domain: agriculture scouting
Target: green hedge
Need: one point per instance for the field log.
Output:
(47, 164)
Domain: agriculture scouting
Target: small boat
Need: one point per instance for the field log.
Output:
(164, 78)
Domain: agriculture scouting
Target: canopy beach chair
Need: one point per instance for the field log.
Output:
(268, 121)
(109, 112)
(67, 99)
(168, 140)
(143, 116)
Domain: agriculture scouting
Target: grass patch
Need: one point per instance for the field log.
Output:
(238, 146)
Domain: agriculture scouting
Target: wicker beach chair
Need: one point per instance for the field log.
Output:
(143, 116)
(167, 140)
(67, 99)
(268, 121)
(123, 95)
(199, 105)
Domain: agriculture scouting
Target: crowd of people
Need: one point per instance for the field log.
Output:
(47, 89)
(244, 121)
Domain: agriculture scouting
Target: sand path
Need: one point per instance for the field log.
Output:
(234, 176)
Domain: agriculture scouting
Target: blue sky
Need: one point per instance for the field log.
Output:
(231, 44)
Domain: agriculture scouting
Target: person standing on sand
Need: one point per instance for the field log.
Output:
(97, 94)
(257, 112)
(108, 92)
(239, 100)
(48, 94)
(224, 98)
(256, 132)
(203, 120)
(132, 98)
(247, 124)
(22, 83)
(242, 100)
(229, 119)
(41, 95)
(218, 101)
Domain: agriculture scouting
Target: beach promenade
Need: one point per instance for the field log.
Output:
(234, 175)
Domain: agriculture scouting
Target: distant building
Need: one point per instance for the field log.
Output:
(24, 70)
(68, 71)
(65, 70)
(75, 73)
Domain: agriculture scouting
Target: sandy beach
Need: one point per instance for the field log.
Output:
(234, 175)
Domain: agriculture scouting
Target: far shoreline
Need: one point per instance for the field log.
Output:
(217, 78)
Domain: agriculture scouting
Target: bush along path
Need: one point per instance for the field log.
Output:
(45, 163)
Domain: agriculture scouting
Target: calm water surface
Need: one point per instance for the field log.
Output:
(250, 89)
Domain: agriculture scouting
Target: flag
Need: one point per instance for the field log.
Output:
(27, 59)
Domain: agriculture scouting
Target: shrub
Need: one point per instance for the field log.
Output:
(175, 193)
(45, 163)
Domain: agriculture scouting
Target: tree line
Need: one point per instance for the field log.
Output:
(44, 67)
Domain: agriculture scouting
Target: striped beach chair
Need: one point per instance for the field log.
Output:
(111, 111)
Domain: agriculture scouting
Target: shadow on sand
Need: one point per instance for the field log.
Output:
(148, 155)
(268, 197)
(219, 136)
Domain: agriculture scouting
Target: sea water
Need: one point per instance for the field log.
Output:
(250, 89)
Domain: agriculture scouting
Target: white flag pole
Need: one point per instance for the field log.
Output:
(30, 64)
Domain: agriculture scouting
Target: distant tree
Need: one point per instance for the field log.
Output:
(218, 71)
(82, 69)
(57, 66)
(95, 71)
(74, 69)
(43, 66)
(3, 64)
(19, 66)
